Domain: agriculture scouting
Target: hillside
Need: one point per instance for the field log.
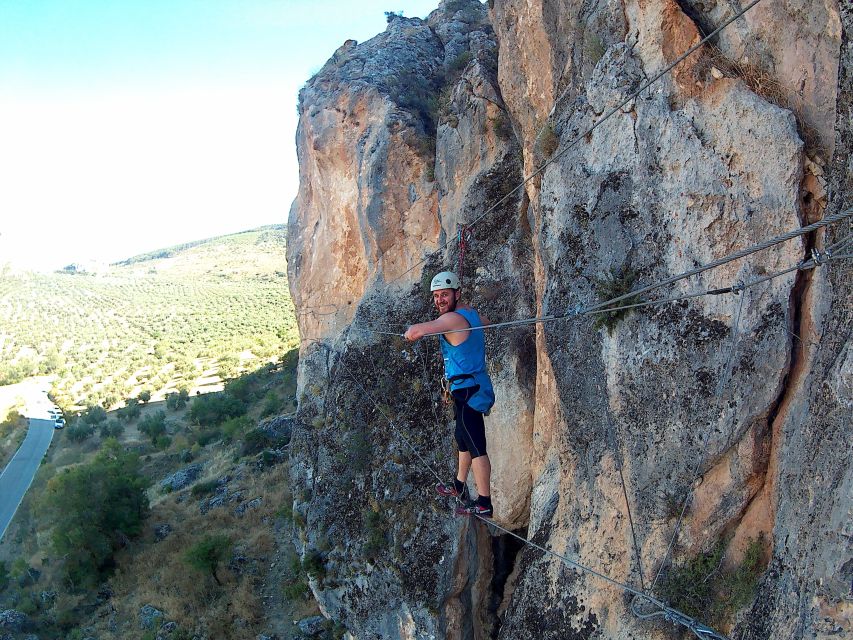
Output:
(165, 501)
(176, 514)
(178, 318)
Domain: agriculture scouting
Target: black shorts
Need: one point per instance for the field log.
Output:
(470, 429)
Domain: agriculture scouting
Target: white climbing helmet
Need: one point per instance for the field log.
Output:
(445, 280)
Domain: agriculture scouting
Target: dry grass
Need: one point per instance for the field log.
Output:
(156, 573)
(546, 143)
(762, 83)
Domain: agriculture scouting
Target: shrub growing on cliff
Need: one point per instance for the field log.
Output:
(616, 283)
(374, 530)
(702, 588)
(295, 586)
(502, 126)
(417, 95)
(546, 142)
(314, 565)
(458, 64)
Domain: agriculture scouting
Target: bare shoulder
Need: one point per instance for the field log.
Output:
(455, 320)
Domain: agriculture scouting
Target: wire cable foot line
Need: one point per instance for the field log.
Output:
(701, 631)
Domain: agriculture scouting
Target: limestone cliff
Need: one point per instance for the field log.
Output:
(408, 138)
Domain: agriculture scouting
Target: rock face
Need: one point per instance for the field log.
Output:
(732, 407)
(150, 617)
(12, 620)
(181, 478)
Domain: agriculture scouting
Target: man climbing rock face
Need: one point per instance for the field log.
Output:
(464, 355)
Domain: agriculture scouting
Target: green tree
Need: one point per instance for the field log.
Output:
(153, 425)
(92, 510)
(130, 411)
(145, 395)
(111, 429)
(176, 401)
(79, 431)
(208, 553)
(214, 408)
(94, 415)
(272, 404)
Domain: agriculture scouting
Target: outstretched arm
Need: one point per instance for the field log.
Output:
(448, 322)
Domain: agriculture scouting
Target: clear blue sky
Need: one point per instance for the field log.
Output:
(130, 125)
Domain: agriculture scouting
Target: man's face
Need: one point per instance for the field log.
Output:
(445, 300)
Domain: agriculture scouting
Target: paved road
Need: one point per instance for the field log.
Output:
(18, 474)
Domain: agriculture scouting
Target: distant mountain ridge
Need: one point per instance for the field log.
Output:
(169, 252)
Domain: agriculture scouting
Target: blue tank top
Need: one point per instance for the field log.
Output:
(465, 364)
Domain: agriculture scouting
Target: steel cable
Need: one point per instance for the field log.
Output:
(582, 136)
(605, 306)
(668, 612)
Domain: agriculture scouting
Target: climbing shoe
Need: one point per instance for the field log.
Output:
(450, 491)
(475, 510)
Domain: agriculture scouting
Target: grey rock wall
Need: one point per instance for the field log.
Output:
(705, 163)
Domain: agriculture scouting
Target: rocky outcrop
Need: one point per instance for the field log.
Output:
(730, 402)
(12, 620)
(181, 478)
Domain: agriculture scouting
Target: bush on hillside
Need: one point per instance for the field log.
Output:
(111, 429)
(206, 436)
(177, 401)
(13, 421)
(153, 425)
(214, 408)
(233, 428)
(94, 415)
(92, 510)
(272, 404)
(207, 554)
(130, 411)
(242, 388)
(79, 431)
